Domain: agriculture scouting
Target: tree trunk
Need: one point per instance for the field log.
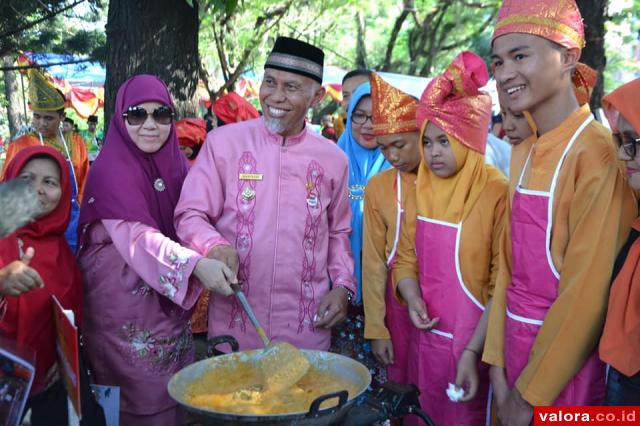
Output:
(594, 15)
(361, 47)
(407, 8)
(12, 96)
(157, 37)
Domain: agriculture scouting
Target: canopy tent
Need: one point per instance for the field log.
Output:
(80, 80)
(407, 83)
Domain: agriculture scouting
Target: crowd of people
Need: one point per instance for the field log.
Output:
(416, 244)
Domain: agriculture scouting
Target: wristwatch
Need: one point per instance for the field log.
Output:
(349, 293)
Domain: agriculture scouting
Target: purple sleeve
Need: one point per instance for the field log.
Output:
(163, 264)
(201, 203)
(340, 260)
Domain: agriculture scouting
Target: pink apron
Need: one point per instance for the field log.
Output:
(534, 288)
(434, 354)
(397, 317)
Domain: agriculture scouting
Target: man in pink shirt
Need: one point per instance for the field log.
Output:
(269, 197)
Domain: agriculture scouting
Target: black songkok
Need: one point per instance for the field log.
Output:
(298, 57)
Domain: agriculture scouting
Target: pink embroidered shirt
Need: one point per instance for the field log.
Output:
(283, 204)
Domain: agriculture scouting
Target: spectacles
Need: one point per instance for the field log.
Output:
(360, 118)
(628, 143)
(136, 116)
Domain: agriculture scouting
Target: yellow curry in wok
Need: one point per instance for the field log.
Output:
(237, 387)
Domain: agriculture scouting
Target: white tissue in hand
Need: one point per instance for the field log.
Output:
(454, 393)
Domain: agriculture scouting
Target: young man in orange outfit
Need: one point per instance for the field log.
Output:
(570, 213)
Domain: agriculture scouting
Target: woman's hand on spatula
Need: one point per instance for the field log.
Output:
(215, 276)
(332, 309)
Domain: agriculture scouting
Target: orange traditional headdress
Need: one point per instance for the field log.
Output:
(556, 20)
(624, 100)
(233, 108)
(393, 110)
(191, 131)
(584, 80)
(454, 102)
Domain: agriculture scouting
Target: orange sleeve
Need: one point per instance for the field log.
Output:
(80, 163)
(493, 352)
(11, 152)
(374, 262)
(406, 265)
(16, 146)
(499, 220)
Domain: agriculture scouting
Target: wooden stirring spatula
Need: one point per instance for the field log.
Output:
(282, 364)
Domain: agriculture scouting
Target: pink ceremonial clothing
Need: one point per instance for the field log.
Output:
(283, 204)
(138, 301)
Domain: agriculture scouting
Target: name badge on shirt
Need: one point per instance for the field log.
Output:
(251, 176)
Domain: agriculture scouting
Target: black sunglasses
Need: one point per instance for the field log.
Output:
(628, 143)
(136, 115)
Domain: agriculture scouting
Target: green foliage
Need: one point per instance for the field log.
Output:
(430, 35)
(51, 26)
(253, 26)
(621, 41)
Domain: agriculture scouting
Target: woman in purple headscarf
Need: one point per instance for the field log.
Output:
(138, 295)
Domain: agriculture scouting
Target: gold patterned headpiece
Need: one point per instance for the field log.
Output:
(393, 110)
(43, 95)
(454, 102)
(556, 20)
(584, 80)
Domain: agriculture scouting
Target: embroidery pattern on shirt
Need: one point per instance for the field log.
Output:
(245, 223)
(153, 352)
(172, 281)
(313, 183)
(143, 289)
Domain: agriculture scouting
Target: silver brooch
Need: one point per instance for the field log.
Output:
(158, 185)
(248, 194)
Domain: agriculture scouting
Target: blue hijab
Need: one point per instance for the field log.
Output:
(363, 165)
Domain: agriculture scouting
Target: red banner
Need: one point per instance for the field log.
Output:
(68, 353)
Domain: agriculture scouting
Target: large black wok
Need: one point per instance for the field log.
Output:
(338, 403)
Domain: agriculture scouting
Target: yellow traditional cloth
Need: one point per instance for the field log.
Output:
(393, 110)
(480, 205)
(380, 217)
(43, 96)
(556, 20)
(77, 151)
(592, 215)
(451, 199)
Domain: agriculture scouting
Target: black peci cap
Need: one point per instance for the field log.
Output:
(298, 57)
